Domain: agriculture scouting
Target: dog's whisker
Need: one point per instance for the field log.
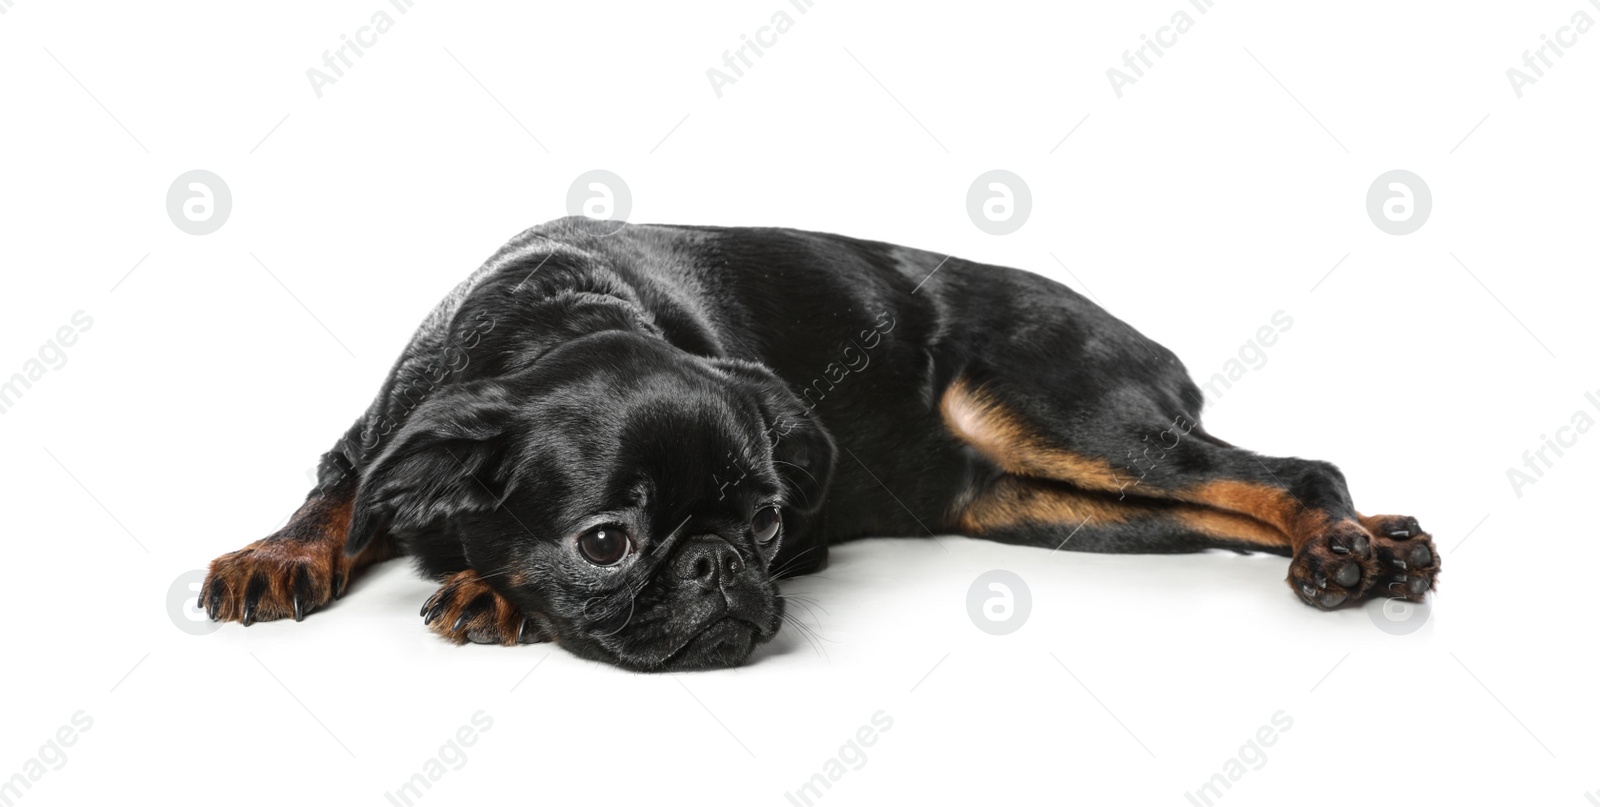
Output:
(799, 598)
(811, 636)
(808, 605)
(507, 569)
(790, 563)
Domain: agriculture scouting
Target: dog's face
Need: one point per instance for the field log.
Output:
(632, 495)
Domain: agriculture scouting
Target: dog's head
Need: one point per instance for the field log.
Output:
(635, 497)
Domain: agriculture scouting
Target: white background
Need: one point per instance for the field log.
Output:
(186, 419)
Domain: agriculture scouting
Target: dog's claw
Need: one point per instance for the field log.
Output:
(466, 609)
(1403, 530)
(276, 577)
(252, 598)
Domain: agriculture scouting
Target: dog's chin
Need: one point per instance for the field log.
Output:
(724, 642)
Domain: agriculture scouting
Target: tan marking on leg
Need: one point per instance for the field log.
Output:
(1011, 501)
(1267, 503)
(447, 614)
(1229, 526)
(1015, 501)
(1237, 510)
(986, 425)
(300, 567)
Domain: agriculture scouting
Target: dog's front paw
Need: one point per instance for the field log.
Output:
(1335, 568)
(465, 609)
(1408, 562)
(273, 579)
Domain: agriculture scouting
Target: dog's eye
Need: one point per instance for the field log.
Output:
(766, 524)
(605, 545)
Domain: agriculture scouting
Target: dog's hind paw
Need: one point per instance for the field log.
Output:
(1381, 556)
(1336, 568)
(1408, 562)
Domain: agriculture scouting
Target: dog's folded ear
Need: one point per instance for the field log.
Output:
(446, 460)
(805, 454)
(800, 443)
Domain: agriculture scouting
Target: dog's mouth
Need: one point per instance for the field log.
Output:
(726, 642)
(680, 636)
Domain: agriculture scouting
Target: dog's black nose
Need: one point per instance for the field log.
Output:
(704, 560)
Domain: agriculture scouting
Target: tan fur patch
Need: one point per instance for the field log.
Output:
(1272, 505)
(983, 423)
(446, 610)
(1011, 501)
(310, 546)
(1241, 511)
(1230, 526)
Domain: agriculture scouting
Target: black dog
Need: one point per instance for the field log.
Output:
(619, 440)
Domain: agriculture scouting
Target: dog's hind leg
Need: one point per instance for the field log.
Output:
(1133, 466)
(302, 566)
(1035, 511)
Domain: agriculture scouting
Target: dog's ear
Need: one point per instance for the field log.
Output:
(805, 454)
(800, 443)
(446, 460)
